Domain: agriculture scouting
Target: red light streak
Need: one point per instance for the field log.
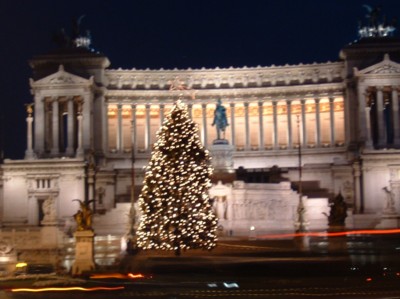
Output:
(131, 275)
(66, 289)
(117, 275)
(335, 234)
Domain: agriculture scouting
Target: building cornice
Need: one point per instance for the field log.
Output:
(251, 94)
(227, 78)
(42, 165)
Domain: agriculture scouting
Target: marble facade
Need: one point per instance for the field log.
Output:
(91, 130)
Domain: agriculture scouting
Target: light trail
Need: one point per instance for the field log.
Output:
(332, 234)
(134, 276)
(117, 276)
(66, 289)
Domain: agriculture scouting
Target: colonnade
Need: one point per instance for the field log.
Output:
(379, 114)
(58, 126)
(258, 115)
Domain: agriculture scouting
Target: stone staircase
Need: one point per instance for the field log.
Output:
(113, 222)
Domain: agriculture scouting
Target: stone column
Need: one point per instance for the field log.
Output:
(395, 110)
(161, 114)
(275, 117)
(204, 120)
(232, 124)
(91, 179)
(119, 144)
(368, 138)
(317, 124)
(79, 150)
(357, 188)
(246, 126)
(332, 120)
(190, 111)
(304, 122)
(70, 124)
(289, 124)
(87, 121)
(261, 145)
(133, 129)
(105, 124)
(55, 122)
(362, 104)
(379, 112)
(39, 124)
(147, 140)
(29, 149)
(364, 115)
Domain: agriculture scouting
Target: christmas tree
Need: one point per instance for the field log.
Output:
(176, 213)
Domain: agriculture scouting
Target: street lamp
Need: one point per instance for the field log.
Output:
(301, 225)
(132, 213)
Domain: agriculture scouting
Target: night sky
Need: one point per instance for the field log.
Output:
(172, 34)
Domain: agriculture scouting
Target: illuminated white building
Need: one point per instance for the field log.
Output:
(89, 121)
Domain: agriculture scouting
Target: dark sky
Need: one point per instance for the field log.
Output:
(168, 34)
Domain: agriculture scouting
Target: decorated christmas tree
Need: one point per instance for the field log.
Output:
(176, 213)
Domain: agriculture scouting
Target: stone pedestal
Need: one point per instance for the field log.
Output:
(222, 154)
(84, 252)
(389, 220)
(337, 243)
(50, 237)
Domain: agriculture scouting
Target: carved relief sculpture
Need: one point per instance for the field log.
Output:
(49, 212)
(389, 205)
(220, 206)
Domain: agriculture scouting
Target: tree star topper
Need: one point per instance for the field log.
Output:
(178, 84)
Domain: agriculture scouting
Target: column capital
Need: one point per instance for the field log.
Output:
(246, 104)
(133, 106)
(147, 106)
(274, 103)
(317, 100)
(204, 105)
(288, 102)
(119, 106)
(161, 106)
(303, 102)
(395, 87)
(331, 99)
(260, 103)
(379, 88)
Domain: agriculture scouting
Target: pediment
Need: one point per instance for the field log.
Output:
(385, 67)
(61, 78)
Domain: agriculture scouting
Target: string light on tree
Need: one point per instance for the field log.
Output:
(176, 210)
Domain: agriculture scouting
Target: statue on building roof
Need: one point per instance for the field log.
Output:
(76, 26)
(376, 26)
(220, 120)
(76, 40)
(373, 14)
